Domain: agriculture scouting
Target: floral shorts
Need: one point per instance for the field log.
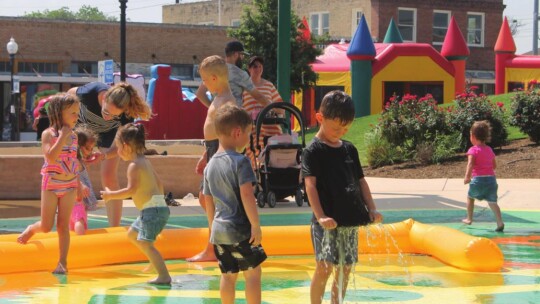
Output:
(337, 246)
(239, 257)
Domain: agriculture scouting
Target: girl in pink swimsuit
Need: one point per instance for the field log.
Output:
(86, 199)
(59, 174)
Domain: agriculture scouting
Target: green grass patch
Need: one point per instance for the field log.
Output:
(356, 134)
(506, 99)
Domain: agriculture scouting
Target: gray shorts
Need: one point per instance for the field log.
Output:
(151, 222)
(336, 246)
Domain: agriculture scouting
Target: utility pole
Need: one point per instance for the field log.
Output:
(284, 50)
(535, 28)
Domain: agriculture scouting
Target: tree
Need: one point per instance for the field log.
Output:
(515, 24)
(91, 13)
(258, 32)
(86, 13)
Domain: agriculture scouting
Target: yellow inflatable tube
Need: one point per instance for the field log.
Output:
(111, 246)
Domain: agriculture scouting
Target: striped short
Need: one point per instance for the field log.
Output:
(59, 187)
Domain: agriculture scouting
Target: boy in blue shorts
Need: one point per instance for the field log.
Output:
(231, 207)
(338, 193)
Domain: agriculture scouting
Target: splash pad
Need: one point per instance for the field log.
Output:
(377, 278)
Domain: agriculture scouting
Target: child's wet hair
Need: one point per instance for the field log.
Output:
(85, 135)
(230, 116)
(132, 135)
(215, 65)
(58, 103)
(336, 105)
(481, 130)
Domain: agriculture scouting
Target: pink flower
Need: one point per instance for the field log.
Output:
(473, 88)
(500, 104)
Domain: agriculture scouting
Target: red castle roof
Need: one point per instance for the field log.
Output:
(454, 46)
(505, 41)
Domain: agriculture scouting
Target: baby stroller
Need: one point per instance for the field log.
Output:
(279, 162)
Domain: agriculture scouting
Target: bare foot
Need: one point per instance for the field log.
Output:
(60, 269)
(161, 281)
(466, 221)
(25, 235)
(204, 256)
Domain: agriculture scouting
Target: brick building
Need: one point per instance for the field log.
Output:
(418, 20)
(56, 54)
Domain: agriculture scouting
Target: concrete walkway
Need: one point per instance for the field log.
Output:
(389, 194)
(398, 194)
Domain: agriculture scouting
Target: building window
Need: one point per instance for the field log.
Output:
(182, 71)
(356, 17)
(4, 67)
(84, 68)
(475, 29)
(235, 22)
(320, 23)
(38, 68)
(441, 20)
(407, 24)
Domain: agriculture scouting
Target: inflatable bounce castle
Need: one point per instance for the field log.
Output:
(372, 72)
(513, 72)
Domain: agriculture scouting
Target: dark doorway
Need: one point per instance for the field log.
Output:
(515, 86)
(320, 91)
(418, 88)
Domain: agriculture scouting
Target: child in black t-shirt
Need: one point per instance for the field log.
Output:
(338, 193)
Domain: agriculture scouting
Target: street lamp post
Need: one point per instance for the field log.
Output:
(123, 6)
(12, 49)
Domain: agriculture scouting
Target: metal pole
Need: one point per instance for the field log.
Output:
(123, 39)
(284, 50)
(535, 28)
(13, 106)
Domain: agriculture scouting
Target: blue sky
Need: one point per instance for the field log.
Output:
(150, 11)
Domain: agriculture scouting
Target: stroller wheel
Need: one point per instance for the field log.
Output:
(271, 199)
(299, 198)
(260, 199)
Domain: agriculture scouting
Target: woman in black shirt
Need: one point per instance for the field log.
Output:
(104, 109)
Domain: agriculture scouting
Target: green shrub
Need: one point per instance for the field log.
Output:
(445, 147)
(468, 108)
(380, 152)
(409, 121)
(526, 113)
(438, 150)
